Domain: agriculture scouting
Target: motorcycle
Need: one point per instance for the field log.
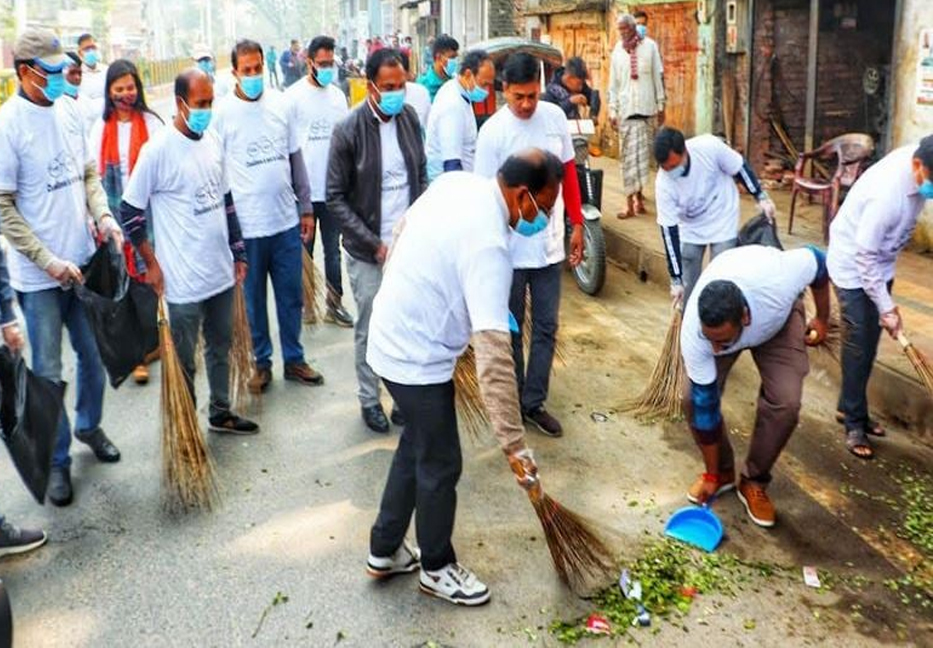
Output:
(590, 275)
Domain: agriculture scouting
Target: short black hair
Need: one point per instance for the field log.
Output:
(444, 43)
(667, 140)
(521, 67)
(75, 59)
(294, 41)
(641, 13)
(924, 153)
(721, 301)
(406, 62)
(83, 38)
(473, 60)
(534, 168)
(245, 46)
(321, 43)
(386, 57)
(576, 67)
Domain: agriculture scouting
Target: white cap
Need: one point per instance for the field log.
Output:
(201, 51)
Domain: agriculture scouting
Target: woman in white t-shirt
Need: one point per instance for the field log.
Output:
(116, 140)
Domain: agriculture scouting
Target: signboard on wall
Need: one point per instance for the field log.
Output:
(925, 69)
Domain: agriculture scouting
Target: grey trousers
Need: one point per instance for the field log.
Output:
(692, 258)
(365, 279)
(215, 317)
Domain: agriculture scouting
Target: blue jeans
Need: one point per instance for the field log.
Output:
(46, 312)
(330, 240)
(279, 257)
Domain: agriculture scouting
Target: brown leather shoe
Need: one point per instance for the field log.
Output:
(757, 503)
(259, 381)
(303, 373)
(141, 374)
(725, 483)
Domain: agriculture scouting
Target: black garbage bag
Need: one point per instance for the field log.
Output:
(122, 313)
(760, 231)
(30, 410)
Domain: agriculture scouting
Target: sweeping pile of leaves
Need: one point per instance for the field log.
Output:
(671, 576)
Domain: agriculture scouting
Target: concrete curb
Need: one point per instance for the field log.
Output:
(894, 395)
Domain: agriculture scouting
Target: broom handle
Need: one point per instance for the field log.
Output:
(903, 340)
(162, 309)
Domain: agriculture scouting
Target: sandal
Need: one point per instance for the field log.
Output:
(857, 443)
(874, 428)
(625, 214)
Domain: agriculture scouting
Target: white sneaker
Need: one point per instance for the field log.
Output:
(405, 560)
(456, 584)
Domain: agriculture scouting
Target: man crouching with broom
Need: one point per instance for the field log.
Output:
(750, 298)
(448, 278)
(180, 177)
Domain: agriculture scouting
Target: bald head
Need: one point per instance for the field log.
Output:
(193, 81)
(530, 181)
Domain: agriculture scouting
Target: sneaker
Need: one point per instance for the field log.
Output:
(405, 560)
(757, 503)
(375, 419)
(726, 482)
(548, 425)
(259, 381)
(141, 375)
(397, 417)
(303, 373)
(229, 423)
(337, 314)
(456, 584)
(14, 540)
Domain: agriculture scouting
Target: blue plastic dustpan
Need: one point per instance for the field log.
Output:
(697, 526)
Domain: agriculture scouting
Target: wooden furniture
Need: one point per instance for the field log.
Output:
(851, 154)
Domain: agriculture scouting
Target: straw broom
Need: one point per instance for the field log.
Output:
(576, 551)
(187, 471)
(663, 396)
(312, 289)
(919, 361)
(242, 362)
(835, 332)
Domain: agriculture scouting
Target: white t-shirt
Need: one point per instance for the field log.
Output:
(503, 135)
(705, 202)
(124, 132)
(449, 276)
(258, 137)
(91, 93)
(395, 194)
(418, 97)
(451, 130)
(43, 154)
(876, 221)
(771, 281)
(315, 112)
(183, 182)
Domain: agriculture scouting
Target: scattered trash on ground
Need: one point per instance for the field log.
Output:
(810, 577)
(278, 599)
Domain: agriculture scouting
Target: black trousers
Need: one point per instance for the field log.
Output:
(423, 477)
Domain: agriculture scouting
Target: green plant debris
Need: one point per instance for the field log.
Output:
(278, 599)
(671, 576)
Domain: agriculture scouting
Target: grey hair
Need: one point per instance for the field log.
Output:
(626, 19)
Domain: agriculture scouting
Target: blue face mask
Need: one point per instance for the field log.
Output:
(926, 190)
(451, 68)
(478, 94)
(54, 85)
(71, 89)
(641, 30)
(91, 57)
(324, 76)
(678, 171)
(391, 102)
(206, 66)
(251, 86)
(539, 224)
(198, 119)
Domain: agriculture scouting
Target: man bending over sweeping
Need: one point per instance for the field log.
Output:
(750, 298)
(448, 278)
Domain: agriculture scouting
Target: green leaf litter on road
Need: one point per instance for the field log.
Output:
(671, 576)
(278, 599)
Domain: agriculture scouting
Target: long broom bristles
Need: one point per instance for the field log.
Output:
(577, 552)
(242, 362)
(559, 354)
(919, 361)
(471, 414)
(663, 396)
(187, 471)
(835, 331)
(312, 288)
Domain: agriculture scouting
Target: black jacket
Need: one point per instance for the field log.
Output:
(354, 175)
(556, 93)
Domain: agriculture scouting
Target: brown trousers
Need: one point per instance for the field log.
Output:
(783, 364)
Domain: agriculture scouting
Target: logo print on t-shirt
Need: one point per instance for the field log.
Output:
(208, 197)
(62, 171)
(265, 150)
(320, 129)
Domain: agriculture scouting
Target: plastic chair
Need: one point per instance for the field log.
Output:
(851, 153)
